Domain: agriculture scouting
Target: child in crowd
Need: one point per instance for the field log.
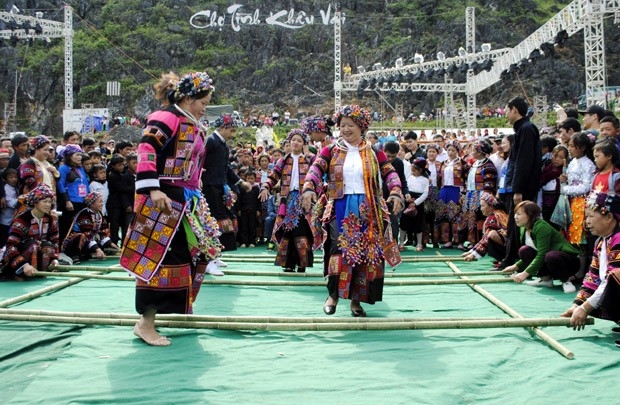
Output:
(607, 175)
(249, 211)
(115, 207)
(577, 181)
(272, 214)
(550, 183)
(99, 184)
(87, 164)
(9, 177)
(412, 220)
(128, 191)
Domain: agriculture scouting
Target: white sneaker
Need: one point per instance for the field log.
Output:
(251, 245)
(242, 245)
(539, 283)
(568, 287)
(219, 263)
(213, 269)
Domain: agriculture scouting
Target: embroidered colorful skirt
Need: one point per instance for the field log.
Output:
(293, 235)
(173, 286)
(354, 251)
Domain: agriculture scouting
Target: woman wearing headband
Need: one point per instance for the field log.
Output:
(291, 230)
(33, 238)
(600, 292)
(173, 238)
(90, 233)
(357, 231)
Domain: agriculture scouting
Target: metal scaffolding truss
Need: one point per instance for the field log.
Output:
(384, 74)
(579, 15)
(574, 17)
(47, 29)
(337, 61)
(594, 47)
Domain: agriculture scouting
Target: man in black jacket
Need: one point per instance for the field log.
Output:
(216, 175)
(523, 176)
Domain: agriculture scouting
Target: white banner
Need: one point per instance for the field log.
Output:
(238, 18)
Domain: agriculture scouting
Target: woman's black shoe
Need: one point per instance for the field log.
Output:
(329, 309)
(301, 270)
(289, 270)
(358, 313)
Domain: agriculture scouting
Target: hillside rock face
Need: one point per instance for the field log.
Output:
(275, 53)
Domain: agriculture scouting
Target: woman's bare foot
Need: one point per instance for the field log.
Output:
(145, 330)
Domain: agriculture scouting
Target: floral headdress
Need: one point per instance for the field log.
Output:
(601, 202)
(316, 124)
(360, 117)
(453, 143)
(193, 84)
(299, 132)
(483, 147)
(38, 141)
(489, 199)
(432, 146)
(225, 121)
(40, 193)
(92, 197)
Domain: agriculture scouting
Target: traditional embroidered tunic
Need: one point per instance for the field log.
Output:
(481, 177)
(601, 285)
(497, 221)
(449, 212)
(31, 241)
(168, 252)
(291, 230)
(355, 218)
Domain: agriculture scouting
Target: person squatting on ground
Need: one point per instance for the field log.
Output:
(90, 233)
(33, 238)
(599, 295)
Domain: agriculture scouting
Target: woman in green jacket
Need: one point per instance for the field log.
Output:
(544, 252)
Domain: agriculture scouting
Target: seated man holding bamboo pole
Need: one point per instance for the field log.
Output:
(600, 292)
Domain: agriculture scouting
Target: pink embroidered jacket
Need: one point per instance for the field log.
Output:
(283, 170)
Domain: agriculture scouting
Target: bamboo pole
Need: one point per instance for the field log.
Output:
(42, 291)
(281, 283)
(405, 259)
(216, 318)
(307, 274)
(480, 323)
(514, 314)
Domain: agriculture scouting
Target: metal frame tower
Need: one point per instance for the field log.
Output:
(39, 28)
(337, 58)
(594, 49)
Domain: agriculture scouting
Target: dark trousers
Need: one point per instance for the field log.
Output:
(247, 228)
(557, 265)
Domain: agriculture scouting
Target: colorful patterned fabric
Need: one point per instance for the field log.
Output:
(193, 84)
(172, 149)
(90, 230)
(26, 227)
(299, 133)
(592, 280)
(282, 171)
(498, 222)
(360, 116)
(361, 221)
(148, 239)
(40, 193)
(576, 233)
